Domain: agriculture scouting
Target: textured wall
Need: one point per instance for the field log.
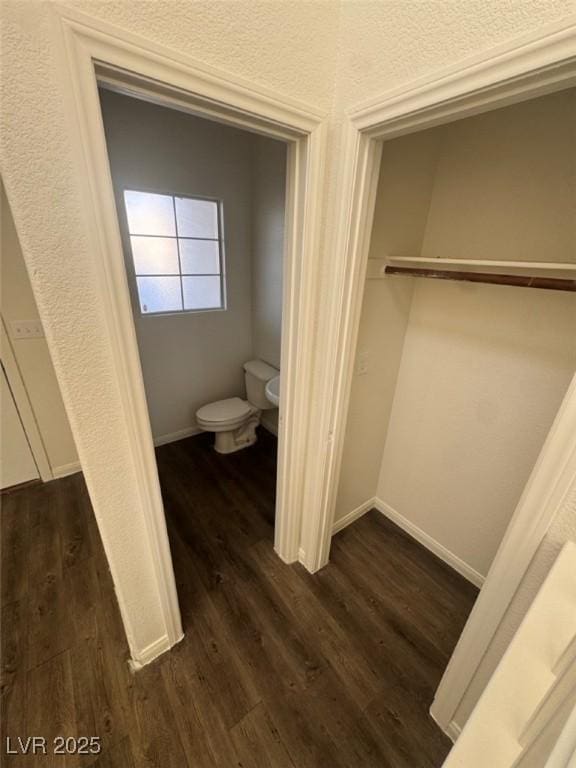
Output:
(389, 42)
(289, 46)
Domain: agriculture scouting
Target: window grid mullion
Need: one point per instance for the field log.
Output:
(178, 249)
(178, 237)
(219, 240)
(175, 274)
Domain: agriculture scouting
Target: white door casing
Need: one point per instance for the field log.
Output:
(93, 52)
(530, 66)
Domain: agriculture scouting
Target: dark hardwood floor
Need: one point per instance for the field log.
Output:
(278, 668)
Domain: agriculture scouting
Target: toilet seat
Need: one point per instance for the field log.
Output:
(234, 421)
(223, 411)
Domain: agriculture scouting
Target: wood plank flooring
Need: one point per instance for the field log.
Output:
(278, 668)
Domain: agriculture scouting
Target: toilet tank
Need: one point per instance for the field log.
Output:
(257, 374)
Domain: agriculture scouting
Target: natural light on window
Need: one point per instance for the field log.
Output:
(176, 250)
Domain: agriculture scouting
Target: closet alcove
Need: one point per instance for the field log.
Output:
(457, 380)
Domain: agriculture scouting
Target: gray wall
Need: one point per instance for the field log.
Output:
(269, 179)
(190, 359)
(269, 185)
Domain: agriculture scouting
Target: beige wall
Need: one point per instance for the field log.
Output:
(483, 372)
(459, 418)
(32, 355)
(383, 324)
(192, 358)
(505, 185)
(407, 178)
(403, 197)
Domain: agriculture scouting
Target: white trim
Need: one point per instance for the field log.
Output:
(339, 325)
(354, 515)
(563, 754)
(150, 652)
(23, 405)
(552, 478)
(299, 439)
(452, 730)
(173, 437)
(430, 543)
(416, 533)
(64, 470)
(134, 64)
(535, 63)
(529, 66)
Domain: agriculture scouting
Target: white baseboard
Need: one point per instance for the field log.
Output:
(453, 730)
(181, 434)
(151, 652)
(66, 469)
(427, 541)
(342, 522)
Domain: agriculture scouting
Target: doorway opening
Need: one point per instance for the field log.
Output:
(201, 211)
(99, 55)
(469, 273)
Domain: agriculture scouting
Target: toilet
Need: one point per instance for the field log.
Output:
(234, 420)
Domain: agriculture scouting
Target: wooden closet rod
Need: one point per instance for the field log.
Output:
(520, 281)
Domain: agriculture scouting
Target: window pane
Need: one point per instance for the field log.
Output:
(149, 214)
(155, 255)
(201, 292)
(197, 218)
(159, 294)
(200, 257)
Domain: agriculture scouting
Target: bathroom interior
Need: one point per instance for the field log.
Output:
(456, 383)
(201, 214)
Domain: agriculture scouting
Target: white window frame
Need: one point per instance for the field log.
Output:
(221, 252)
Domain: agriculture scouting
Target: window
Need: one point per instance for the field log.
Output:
(176, 247)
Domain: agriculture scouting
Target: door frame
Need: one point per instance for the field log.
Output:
(530, 66)
(95, 52)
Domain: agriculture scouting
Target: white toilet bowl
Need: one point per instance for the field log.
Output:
(234, 420)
